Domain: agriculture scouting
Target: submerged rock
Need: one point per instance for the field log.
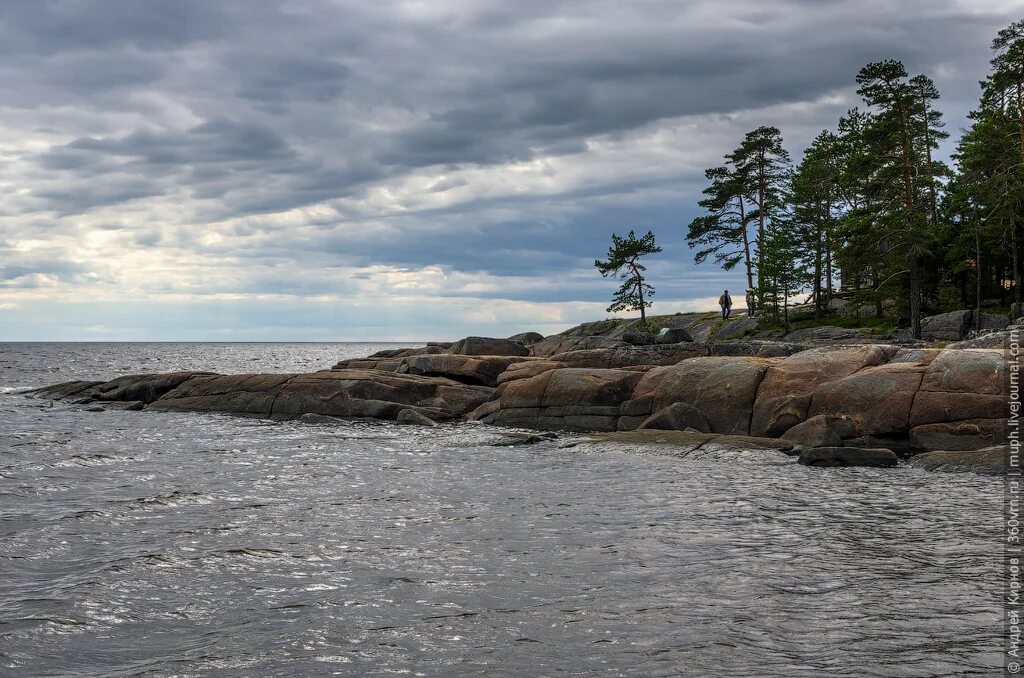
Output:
(987, 461)
(848, 456)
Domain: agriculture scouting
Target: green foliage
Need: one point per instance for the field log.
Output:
(871, 205)
(624, 262)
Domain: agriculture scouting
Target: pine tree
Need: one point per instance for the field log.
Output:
(624, 261)
(722, 232)
(814, 196)
(1003, 91)
(900, 132)
(764, 166)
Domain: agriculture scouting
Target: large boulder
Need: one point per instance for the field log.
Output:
(992, 321)
(638, 338)
(558, 344)
(677, 417)
(952, 326)
(961, 385)
(574, 399)
(389, 359)
(721, 389)
(469, 369)
(988, 461)
(876, 399)
(848, 456)
(784, 396)
(527, 338)
(674, 335)
(488, 346)
(815, 432)
(736, 328)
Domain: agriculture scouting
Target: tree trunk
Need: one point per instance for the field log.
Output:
(760, 213)
(915, 295)
(746, 247)
(1014, 246)
(977, 268)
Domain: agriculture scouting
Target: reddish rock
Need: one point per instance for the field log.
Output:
(785, 394)
(876, 399)
(972, 434)
(721, 389)
(527, 369)
(967, 371)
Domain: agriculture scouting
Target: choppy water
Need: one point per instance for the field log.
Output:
(160, 544)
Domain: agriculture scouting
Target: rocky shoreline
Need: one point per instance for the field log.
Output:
(830, 401)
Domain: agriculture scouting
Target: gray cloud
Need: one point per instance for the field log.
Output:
(179, 115)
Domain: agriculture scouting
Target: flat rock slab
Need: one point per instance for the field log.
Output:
(987, 461)
(848, 456)
(690, 439)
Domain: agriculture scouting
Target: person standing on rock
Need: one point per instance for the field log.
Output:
(750, 303)
(725, 301)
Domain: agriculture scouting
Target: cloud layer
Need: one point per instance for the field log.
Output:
(350, 170)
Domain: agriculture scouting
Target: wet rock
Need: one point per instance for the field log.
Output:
(411, 417)
(65, 390)
(987, 461)
(848, 456)
(321, 420)
(145, 387)
(815, 432)
(94, 408)
(688, 441)
(514, 439)
(127, 406)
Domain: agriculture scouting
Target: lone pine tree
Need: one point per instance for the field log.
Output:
(624, 261)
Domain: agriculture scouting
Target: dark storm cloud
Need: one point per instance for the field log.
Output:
(241, 108)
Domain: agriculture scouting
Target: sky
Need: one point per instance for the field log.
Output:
(322, 170)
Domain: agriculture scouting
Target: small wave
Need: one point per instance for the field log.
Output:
(14, 390)
(172, 500)
(90, 460)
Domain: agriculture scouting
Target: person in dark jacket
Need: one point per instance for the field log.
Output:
(725, 301)
(750, 303)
